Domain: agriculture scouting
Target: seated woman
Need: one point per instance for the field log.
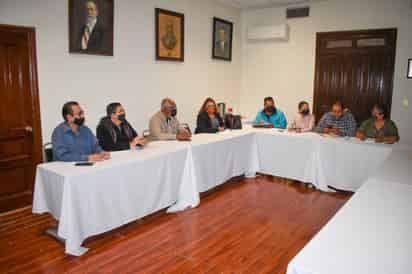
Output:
(303, 121)
(208, 119)
(378, 127)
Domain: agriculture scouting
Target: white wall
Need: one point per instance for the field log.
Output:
(132, 76)
(286, 70)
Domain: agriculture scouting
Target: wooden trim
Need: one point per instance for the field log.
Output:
(159, 11)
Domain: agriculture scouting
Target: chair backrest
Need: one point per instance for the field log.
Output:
(48, 152)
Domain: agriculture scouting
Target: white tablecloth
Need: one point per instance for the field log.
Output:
(370, 234)
(397, 167)
(347, 163)
(287, 155)
(219, 157)
(92, 200)
(308, 157)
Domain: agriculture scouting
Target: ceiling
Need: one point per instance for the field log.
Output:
(257, 4)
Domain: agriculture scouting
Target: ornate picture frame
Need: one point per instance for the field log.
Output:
(170, 35)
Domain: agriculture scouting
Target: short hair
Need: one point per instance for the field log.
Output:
(269, 98)
(382, 109)
(167, 100)
(111, 108)
(68, 109)
(338, 103)
(301, 103)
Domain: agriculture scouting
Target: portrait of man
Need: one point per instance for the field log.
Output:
(169, 35)
(91, 27)
(222, 39)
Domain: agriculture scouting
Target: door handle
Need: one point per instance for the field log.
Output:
(28, 129)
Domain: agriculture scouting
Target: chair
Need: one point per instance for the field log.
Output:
(48, 152)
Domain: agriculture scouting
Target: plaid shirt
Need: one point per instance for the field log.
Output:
(346, 123)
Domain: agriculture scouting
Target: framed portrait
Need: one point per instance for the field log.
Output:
(222, 39)
(170, 35)
(409, 69)
(91, 26)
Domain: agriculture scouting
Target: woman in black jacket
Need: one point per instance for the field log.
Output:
(208, 119)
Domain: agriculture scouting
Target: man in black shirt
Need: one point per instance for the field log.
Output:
(115, 133)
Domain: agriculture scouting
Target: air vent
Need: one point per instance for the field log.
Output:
(297, 12)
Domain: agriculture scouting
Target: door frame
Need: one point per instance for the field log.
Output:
(37, 150)
(365, 33)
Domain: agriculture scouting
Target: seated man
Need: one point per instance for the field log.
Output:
(379, 127)
(72, 141)
(164, 124)
(337, 122)
(303, 121)
(271, 115)
(115, 133)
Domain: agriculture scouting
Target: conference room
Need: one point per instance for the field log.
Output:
(205, 136)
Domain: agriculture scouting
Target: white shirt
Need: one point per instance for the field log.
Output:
(304, 122)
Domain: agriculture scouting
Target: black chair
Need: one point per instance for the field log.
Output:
(48, 152)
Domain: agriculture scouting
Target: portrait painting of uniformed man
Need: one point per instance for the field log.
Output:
(91, 26)
(222, 39)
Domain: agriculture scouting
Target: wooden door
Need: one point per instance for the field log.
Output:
(20, 132)
(355, 67)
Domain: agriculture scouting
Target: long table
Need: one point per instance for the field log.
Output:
(342, 163)
(372, 232)
(91, 200)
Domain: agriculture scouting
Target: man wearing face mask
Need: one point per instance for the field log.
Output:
(164, 124)
(115, 133)
(338, 122)
(270, 115)
(73, 141)
(303, 121)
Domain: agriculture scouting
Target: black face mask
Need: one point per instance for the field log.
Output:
(173, 113)
(122, 118)
(271, 110)
(305, 112)
(79, 121)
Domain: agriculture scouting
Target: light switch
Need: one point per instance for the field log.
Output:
(405, 103)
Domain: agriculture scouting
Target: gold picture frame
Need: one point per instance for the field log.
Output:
(170, 33)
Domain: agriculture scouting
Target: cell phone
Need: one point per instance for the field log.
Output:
(84, 164)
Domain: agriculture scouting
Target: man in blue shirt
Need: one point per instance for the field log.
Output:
(271, 115)
(72, 141)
